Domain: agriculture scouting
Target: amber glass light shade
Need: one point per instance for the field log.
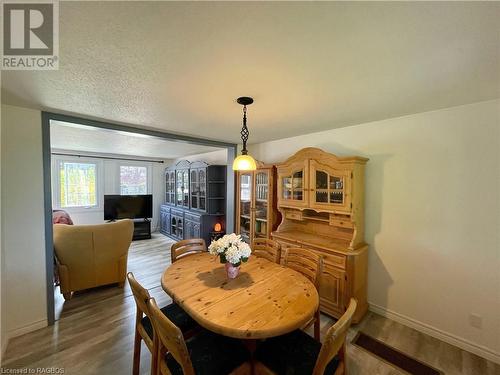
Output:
(244, 163)
(217, 227)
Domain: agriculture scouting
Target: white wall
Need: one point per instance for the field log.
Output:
(23, 220)
(432, 216)
(109, 175)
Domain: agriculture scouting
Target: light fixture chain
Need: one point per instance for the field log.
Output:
(244, 131)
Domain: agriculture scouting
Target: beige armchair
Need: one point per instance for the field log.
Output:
(92, 255)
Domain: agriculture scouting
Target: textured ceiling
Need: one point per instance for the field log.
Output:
(65, 136)
(309, 65)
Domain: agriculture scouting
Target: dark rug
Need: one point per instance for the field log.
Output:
(393, 356)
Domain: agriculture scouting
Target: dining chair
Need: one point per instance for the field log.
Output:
(310, 264)
(187, 247)
(268, 249)
(143, 326)
(299, 353)
(204, 354)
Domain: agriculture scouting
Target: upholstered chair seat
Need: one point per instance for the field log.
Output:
(211, 354)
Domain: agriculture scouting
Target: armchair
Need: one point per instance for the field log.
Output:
(92, 255)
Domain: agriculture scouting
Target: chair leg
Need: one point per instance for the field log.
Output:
(137, 353)
(317, 333)
(155, 366)
(67, 296)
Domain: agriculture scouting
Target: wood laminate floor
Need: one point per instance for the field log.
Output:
(94, 334)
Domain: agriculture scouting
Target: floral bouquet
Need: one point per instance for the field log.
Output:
(232, 251)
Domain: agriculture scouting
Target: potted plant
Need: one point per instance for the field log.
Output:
(232, 251)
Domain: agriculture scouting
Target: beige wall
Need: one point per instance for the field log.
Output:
(23, 220)
(432, 216)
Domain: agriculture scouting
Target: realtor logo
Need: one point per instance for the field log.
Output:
(30, 35)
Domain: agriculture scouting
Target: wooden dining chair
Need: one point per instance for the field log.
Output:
(143, 326)
(187, 247)
(205, 353)
(299, 353)
(268, 249)
(310, 264)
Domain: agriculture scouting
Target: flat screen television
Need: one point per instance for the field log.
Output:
(128, 207)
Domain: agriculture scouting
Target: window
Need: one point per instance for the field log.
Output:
(77, 184)
(133, 180)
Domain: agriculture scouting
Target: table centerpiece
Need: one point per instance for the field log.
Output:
(232, 251)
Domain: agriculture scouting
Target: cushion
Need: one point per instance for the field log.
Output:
(211, 354)
(61, 217)
(292, 354)
(176, 315)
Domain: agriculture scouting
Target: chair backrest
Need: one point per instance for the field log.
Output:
(187, 247)
(307, 262)
(170, 339)
(141, 295)
(335, 340)
(91, 252)
(266, 248)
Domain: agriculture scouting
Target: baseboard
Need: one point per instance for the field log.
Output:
(27, 329)
(437, 333)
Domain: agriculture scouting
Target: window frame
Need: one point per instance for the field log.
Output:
(131, 163)
(56, 192)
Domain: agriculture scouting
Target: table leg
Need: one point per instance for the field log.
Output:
(251, 345)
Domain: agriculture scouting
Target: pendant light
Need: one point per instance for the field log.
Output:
(244, 162)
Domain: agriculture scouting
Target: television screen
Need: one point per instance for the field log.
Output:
(128, 207)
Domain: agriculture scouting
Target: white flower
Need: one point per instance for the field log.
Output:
(232, 247)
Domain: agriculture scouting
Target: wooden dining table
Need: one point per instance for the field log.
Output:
(265, 300)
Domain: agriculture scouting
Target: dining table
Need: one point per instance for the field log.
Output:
(265, 300)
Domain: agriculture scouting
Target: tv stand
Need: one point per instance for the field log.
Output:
(142, 229)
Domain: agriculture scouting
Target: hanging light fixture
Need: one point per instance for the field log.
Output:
(244, 162)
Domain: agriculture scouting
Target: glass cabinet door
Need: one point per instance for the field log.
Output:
(171, 188)
(291, 188)
(167, 186)
(185, 188)
(330, 186)
(194, 189)
(245, 209)
(179, 189)
(202, 181)
(261, 204)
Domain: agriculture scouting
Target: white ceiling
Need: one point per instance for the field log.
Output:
(309, 65)
(71, 137)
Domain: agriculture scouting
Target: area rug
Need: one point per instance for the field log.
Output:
(393, 356)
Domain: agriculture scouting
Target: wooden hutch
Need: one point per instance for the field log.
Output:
(321, 199)
(256, 210)
(195, 200)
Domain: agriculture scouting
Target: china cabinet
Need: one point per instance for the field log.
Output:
(195, 200)
(321, 200)
(256, 209)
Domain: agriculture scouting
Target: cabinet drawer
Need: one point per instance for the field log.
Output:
(192, 217)
(336, 222)
(177, 212)
(293, 215)
(334, 260)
